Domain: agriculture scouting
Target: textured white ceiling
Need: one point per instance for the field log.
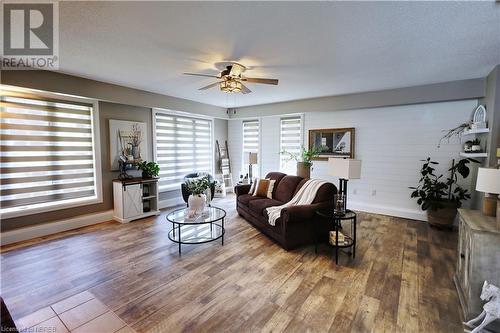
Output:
(314, 49)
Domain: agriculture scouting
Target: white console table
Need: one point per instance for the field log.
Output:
(135, 198)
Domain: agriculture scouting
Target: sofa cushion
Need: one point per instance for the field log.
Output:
(286, 188)
(258, 206)
(246, 198)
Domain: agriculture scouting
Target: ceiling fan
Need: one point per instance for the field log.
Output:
(231, 79)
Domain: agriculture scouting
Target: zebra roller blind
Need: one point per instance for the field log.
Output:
(251, 136)
(251, 129)
(47, 154)
(290, 141)
(183, 145)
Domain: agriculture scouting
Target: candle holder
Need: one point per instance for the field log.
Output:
(339, 204)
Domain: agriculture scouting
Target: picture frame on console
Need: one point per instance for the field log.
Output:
(332, 142)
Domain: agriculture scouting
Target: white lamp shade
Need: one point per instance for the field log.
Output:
(344, 168)
(250, 158)
(488, 180)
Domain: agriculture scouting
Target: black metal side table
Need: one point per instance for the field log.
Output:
(350, 239)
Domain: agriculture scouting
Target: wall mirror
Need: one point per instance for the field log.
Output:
(332, 142)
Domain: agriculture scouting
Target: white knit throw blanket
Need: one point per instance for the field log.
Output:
(304, 196)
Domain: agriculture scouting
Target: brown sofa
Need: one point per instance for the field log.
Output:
(295, 226)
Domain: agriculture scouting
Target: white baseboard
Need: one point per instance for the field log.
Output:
(171, 202)
(45, 229)
(413, 214)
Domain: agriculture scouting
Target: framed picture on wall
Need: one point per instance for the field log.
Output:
(128, 141)
(332, 142)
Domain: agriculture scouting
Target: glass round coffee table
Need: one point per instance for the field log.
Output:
(201, 228)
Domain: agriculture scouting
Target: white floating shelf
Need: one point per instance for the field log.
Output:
(472, 155)
(475, 131)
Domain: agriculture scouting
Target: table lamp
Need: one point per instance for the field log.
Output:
(250, 159)
(488, 181)
(344, 169)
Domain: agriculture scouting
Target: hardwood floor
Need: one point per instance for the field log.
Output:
(400, 281)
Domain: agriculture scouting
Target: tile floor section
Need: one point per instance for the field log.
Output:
(81, 313)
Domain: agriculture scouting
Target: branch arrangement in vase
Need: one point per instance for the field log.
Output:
(304, 156)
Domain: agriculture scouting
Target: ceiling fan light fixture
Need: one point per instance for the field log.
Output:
(230, 86)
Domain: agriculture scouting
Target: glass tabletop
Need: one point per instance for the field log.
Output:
(329, 212)
(210, 214)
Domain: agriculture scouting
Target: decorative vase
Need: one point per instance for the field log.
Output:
(476, 148)
(303, 170)
(443, 217)
(146, 175)
(135, 152)
(196, 202)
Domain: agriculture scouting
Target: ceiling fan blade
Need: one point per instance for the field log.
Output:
(258, 80)
(244, 89)
(209, 86)
(204, 75)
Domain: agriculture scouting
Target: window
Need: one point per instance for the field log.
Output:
(48, 157)
(290, 141)
(251, 130)
(183, 145)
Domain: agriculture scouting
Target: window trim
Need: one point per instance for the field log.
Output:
(155, 111)
(96, 148)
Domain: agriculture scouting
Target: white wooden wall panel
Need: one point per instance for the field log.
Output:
(390, 141)
(270, 144)
(235, 143)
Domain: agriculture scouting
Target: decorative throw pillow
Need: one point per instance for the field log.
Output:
(270, 189)
(264, 188)
(261, 188)
(252, 187)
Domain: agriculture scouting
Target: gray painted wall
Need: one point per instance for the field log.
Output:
(73, 85)
(135, 106)
(492, 103)
(107, 111)
(439, 92)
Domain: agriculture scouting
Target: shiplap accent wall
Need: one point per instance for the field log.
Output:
(390, 141)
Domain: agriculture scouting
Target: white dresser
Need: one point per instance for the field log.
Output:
(135, 198)
(478, 260)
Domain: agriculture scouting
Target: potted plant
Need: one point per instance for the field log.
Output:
(441, 198)
(197, 188)
(476, 145)
(149, 169)
(304, 160)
